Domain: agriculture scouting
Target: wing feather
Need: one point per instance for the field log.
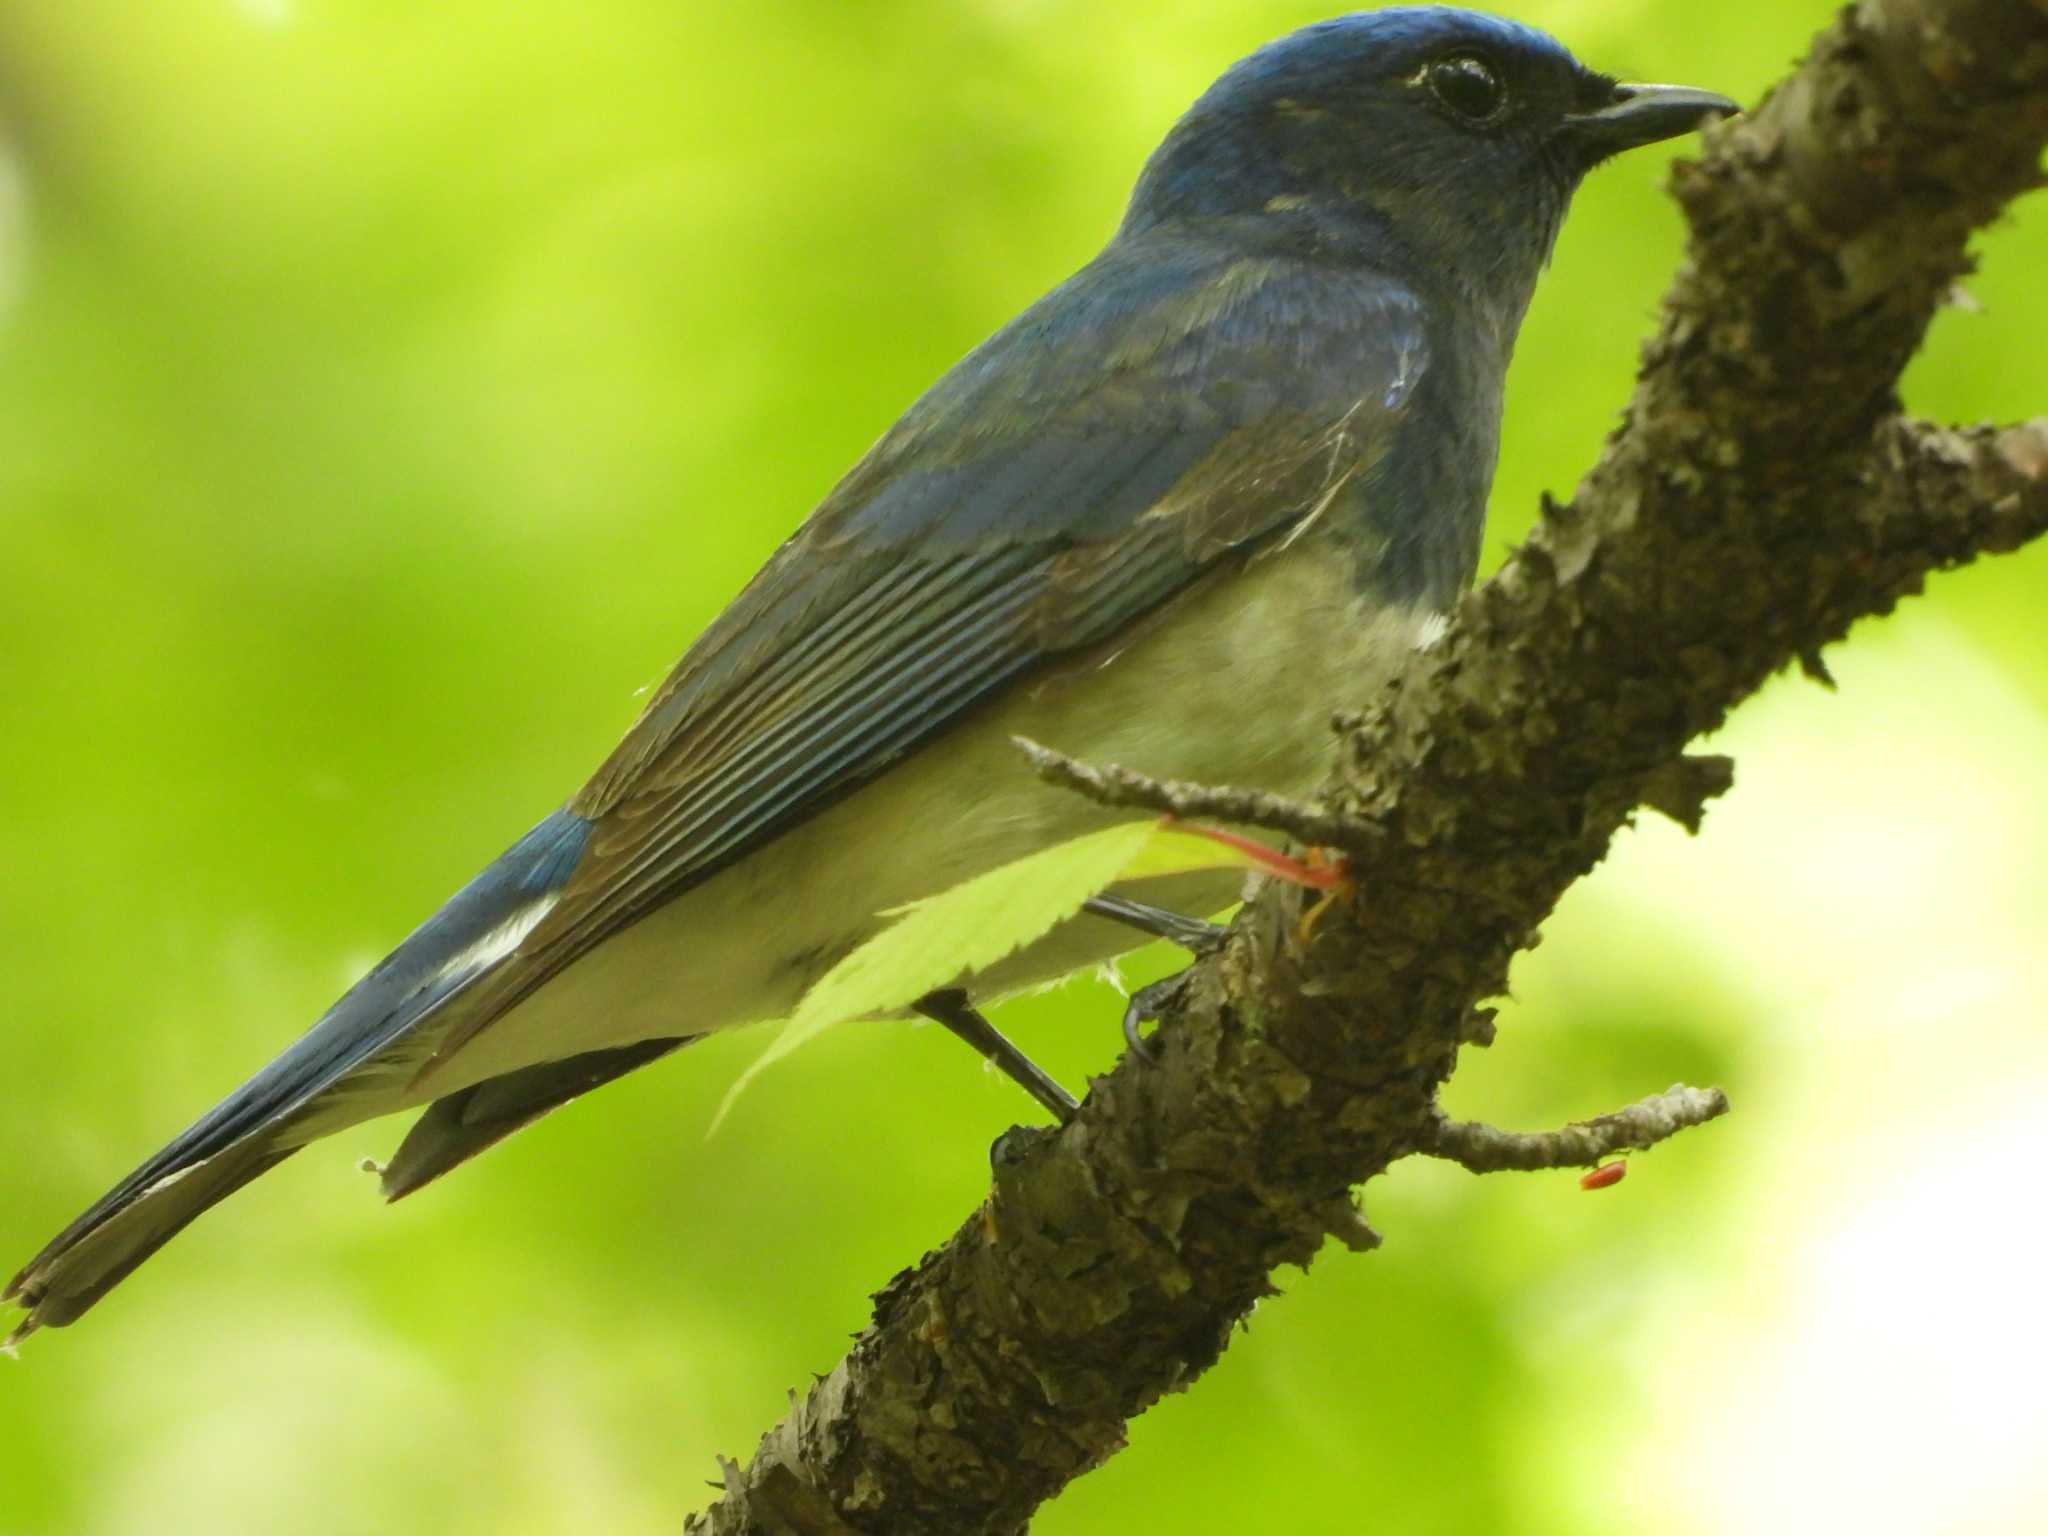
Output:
(1106, 450)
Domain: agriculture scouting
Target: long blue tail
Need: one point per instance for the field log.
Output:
(339, 1072)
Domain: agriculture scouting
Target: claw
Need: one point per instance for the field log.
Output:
(1134, 1015)
(1147, 1003)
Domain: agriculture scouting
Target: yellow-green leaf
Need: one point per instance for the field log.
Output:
(945, 939)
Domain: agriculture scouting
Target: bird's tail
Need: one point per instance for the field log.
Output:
(459, 1125)
(355, 1063)
(89, 1257)
(154, 1203)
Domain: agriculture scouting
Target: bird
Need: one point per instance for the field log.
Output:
(1224, 479)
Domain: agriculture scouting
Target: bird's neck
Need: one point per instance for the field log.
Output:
(1487, 281)
(1486, 288)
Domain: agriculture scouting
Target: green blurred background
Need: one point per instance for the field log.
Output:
(388, 392)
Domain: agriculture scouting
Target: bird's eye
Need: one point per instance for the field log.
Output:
(1467, 84)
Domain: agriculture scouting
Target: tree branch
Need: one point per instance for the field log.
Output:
(1760, 497)
(1110, 784)
(1488, 1149)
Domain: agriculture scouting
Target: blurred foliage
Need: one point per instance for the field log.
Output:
(387, 394)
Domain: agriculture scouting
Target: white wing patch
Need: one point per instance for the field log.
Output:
(164, 1183)
(501, 940)
(1408, 365)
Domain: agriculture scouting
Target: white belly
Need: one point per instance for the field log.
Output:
(1235, 685)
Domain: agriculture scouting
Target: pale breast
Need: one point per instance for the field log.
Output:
(1234, 683)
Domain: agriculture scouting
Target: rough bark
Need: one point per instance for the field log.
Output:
(1761, 496)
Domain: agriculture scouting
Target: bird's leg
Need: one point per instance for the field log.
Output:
(1190, 933)
(951, 1008)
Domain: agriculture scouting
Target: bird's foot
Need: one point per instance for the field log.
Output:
(1319, 869)
(1150, 1002)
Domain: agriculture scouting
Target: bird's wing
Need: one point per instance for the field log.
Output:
(1149, 419)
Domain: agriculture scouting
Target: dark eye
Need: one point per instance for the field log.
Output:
(1467, 84)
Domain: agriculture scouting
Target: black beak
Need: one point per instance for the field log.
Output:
(1643, 114)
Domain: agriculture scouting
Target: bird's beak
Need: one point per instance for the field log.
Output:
(1643, 114)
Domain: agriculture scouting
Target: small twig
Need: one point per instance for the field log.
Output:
(1108, 784)
(1488, 1149)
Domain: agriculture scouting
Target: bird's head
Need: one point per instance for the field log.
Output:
(1448, 136)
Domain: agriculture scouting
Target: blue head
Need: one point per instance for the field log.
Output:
(1443, 140)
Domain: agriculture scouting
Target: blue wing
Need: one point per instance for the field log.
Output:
(1163, 412)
